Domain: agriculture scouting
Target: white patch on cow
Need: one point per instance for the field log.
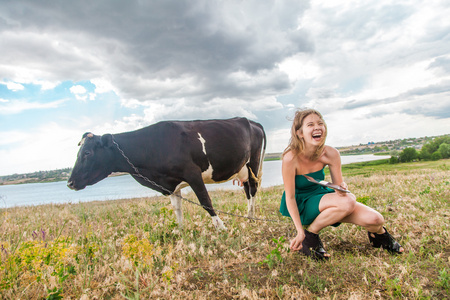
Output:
(218, 223)
(202, 140)
(175, 199)
(207, 175)
(251, 207)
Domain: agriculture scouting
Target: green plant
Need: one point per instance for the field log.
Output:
(425, 191)
(54, 294)
(280, 291)
(314, 283)
(394, 287)
(274, 257)
(444, 279)
(363, 199)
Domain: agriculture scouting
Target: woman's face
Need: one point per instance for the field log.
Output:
(313, 130)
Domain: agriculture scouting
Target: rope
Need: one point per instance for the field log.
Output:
(138, 174)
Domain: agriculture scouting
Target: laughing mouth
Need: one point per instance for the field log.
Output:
(317, 135)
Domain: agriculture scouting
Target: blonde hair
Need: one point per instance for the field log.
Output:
(296, 144)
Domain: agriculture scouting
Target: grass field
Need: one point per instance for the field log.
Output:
(134, 249)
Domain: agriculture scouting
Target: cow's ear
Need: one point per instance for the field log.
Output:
(107, 140)
(88, 134)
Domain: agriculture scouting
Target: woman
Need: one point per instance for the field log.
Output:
(317, 206)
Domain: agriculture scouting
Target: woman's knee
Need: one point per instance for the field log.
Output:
(348, 203)
(374, 219)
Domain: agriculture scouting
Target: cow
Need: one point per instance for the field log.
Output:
(170, 155)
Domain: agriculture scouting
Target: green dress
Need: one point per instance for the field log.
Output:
(307, 195)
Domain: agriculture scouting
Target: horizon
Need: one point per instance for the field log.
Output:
(268, 153)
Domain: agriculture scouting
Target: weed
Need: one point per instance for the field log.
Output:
(54, 294)
(274, 257)
(364, 199)
(314, 283)
(444, 279)
(394, 287)
(425, 191)
(280, 291)
(139, 251)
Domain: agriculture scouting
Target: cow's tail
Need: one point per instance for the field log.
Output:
(261, 159)
(257, 178)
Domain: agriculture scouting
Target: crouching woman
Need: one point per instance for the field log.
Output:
(314, 205)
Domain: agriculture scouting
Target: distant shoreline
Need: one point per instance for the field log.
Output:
(63, 175)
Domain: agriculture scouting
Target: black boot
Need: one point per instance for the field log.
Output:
(384, 240)
(313, 247)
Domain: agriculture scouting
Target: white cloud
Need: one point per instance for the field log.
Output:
(13, 86)
(12, 137)
(61, 154)
(80, 92)
(277, 140)
(300, 66)
(18, 106)
(102, 85)
(78, 89)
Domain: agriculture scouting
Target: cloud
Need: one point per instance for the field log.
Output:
(368, 66)
(159, 50)
(13, 86)
(415, 101)
(19, 106)
(80, 93)
(78, 89)
(44, 157)
(12, 137)
(102, 85)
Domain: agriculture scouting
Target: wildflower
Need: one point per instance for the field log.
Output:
(4, 250)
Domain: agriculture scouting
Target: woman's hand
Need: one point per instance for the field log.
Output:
(296, 243)
(345, 187)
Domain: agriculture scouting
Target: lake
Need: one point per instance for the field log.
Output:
(123, 187)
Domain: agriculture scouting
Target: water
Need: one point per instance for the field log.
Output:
(123, 187)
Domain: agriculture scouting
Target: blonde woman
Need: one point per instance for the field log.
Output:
(310, 204)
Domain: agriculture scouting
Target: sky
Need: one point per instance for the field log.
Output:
(376, 70)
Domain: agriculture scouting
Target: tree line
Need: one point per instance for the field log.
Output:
(40, 176)
(436, 149)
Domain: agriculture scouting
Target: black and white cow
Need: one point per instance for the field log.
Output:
(175, 154)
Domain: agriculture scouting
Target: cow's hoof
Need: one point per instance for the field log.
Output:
(218, 223)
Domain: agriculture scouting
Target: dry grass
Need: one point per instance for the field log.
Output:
(133, 248)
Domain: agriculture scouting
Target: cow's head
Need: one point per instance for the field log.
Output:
(94, 161)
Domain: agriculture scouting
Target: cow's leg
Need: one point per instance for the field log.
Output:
(175, 199)
(197, 185)
(251, 186)
(248, 188)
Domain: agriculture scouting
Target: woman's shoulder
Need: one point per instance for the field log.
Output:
(330, 153)
(289, 156)
(330, 150)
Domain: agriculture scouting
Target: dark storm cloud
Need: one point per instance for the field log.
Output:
(222, 49)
